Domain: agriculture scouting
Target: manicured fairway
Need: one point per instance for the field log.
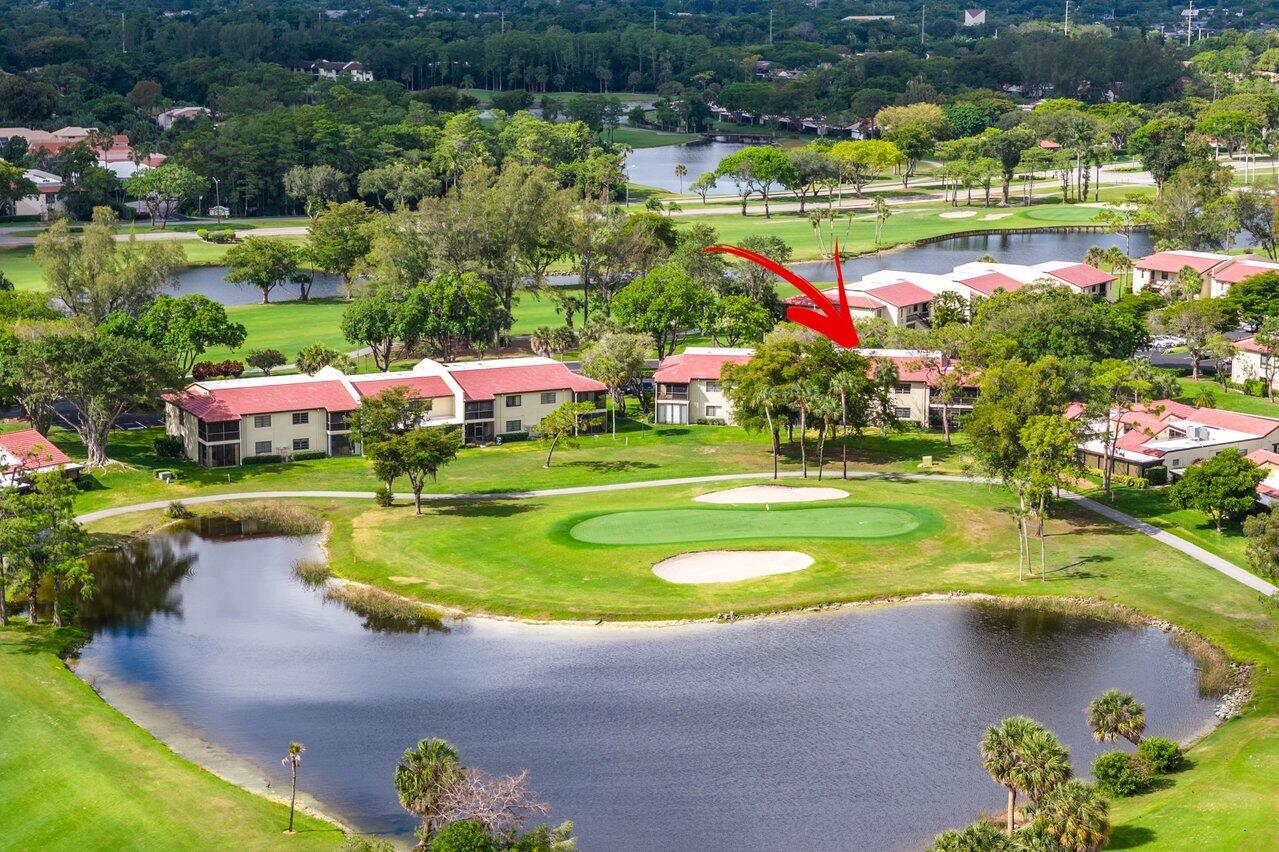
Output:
(677, 526)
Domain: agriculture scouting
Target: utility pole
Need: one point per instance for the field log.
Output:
(770, 27)
(1067, 18)
(1190, 17)
(124, 48)
(923, 10)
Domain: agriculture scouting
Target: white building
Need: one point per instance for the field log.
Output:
(170, 117)
(47, 199)
(333, 70)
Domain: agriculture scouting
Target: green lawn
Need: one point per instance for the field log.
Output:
(643, 137)
(287, 326)
(683, 526)
(638, 453)
(77, 774)
(1228, 400)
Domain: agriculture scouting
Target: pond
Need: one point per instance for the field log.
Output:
(211, 281)
(842, 730)
(656, 166)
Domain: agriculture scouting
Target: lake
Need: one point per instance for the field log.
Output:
(656, 166)
(211, 281)
(835, 731)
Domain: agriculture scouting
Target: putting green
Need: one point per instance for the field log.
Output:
(674, 526)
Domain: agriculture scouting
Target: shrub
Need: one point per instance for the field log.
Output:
(384, 612)
(168, 447)
(310, 455)
(311, 573)
(278, 519)
(384, 497)
(711, 421)
(463, 836)
(1120, 774)
(1164, 754)
(1157, 475)
(1254, 387)
(364, 843)
(203, 370)
(264, 458)
(216, 235)
(178, 511)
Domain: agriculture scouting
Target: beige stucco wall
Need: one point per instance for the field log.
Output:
(1247, 365)
(703, 393)
(916, 400)
(282, 431)
(529, 412)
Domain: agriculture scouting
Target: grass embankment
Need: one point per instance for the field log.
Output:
(638, 453)
(1227, 400)
(77, 774)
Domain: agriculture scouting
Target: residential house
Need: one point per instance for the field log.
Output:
(1223, 277)
(47, 199)
(974, 17)
(25, 452)
(1157, 271)
(333, 70)
(688, 385)
(1268, 488)
(1172, 434)
(919, 375)
(170, 117)
(114, 152)
(221, 423)
(1251, 361)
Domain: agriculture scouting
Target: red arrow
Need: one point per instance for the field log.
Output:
(835, 323)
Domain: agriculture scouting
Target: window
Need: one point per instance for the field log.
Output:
(261, 421)
(301, 444)
(479, 410)
(903, 388)
(513, 401)
(548, 397)
(301, 418)
(712, 411)
(228, 430)
(261, 448)
(514, 426)
(902, 413)
(712, 387)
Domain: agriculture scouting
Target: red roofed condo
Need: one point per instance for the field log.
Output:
(221, 423)
(689, 389)
(25, 452)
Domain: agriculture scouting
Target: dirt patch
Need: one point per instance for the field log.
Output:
(730, 566)
(771, 494)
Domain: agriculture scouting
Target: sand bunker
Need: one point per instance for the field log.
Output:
(771, 494)
(958, 214)
(990, 217)
(729, 566)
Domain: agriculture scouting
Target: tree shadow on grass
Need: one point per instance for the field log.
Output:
(617, 466)
(1130, 837)
(484, 508)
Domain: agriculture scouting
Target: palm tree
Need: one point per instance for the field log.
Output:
(291, 760)
(1075, 816)
(882, 212)
(422, 776)
(680, 171)
(542, 340)
(1096, 256)
(1116, 714)
(1046, 764)
(1001, 749)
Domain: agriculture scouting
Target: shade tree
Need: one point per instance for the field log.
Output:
(263, 263)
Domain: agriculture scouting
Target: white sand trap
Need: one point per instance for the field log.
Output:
(958, 214)
(990, 217)
(771, 494)
(730, 566)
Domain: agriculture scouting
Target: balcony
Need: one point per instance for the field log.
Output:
(677, 393)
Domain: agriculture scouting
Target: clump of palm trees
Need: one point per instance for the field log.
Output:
(1061, 813)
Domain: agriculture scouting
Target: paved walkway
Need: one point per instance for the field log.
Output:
(1195, 552)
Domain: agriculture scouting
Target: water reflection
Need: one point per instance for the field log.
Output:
(852, 730)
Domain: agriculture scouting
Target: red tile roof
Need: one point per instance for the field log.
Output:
(1238, 270)
(912, 368)
(1263, 457)
(992, 281)
(425, 386)
(856, 299)
(32, 450)
(479, 384)
(1249, 344)
(223, 404)
(902, 294)
(681, 369)
(1082, 275)
(1173, 261)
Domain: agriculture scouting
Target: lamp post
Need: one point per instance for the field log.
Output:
(217, 189)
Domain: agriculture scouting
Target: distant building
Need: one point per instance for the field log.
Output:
(688, 388)
(1219, 271)
(333, 70)
(866, 19)
(974, 17)
(170, 117)
(114, 152)
(47, 199)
